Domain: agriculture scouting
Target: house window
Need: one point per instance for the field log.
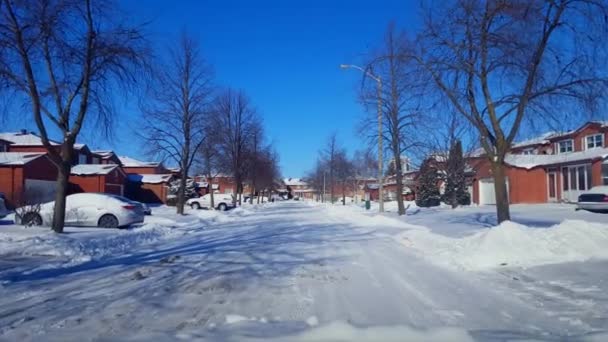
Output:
(565, 146)
(3, 148)
(528, 151)
(96, 160)
(82, 158)
(593, 141)
(605, 174)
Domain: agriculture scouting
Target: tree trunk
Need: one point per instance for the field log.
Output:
(399, 180)
(500, 188)
(61, 191)
(181, 192)
(344, 194)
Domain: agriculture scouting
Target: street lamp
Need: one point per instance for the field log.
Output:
(378, 80)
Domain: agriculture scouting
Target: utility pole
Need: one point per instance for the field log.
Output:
(380, 137)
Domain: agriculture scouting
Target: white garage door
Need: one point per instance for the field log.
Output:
(42, 190)
(487, 195)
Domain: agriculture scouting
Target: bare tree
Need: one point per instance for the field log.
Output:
(235, 119)
(401, 99)
(500, 62)
(316, 179)
(329, 155)
(64, 60)
(209, 156)
(176, 108)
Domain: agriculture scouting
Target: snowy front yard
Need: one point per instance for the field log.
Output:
(295, 271)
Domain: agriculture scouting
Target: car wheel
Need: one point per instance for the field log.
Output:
(195, 205)
(32, 219)
(108, 221)
(222, 207)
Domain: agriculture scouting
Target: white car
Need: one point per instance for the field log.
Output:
(594, 200)
(88, 209)
(222, 201)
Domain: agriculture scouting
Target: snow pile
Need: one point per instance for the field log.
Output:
(512, 244)
(82, 248)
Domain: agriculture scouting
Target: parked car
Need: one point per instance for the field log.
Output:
(3, 210)
(594, 200)
(221, 201)
(144, 207)
(87, 209)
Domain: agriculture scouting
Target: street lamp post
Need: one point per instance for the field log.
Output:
(380, 161)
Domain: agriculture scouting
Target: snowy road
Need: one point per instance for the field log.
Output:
(285, 269)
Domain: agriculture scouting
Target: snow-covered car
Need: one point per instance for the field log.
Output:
(3, 210)
(221, 201)
(87, 209)
(594, 200)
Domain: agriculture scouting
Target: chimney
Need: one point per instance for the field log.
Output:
(23, 131)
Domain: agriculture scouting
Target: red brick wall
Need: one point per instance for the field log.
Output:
(144, 170)
(41, 168)
(90, 183)
(11, 184)
(14, 148)
(527, 186)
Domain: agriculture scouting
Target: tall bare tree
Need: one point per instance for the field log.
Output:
(329, 155)
(401, 99)
(64, 59)
(176, 109)
(235, 119)
(502, 62)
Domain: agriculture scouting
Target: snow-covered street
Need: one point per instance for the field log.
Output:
(299, 271)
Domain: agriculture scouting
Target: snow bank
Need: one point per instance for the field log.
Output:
(80, 247)
(341, 331)
(512, 244)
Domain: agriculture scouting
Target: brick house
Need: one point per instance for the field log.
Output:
(107, 178)
(23, 173)
(148, 188)
(222, 183)
(135, 166)
(554, 167)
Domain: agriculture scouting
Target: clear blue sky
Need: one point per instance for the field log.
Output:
(285, 55)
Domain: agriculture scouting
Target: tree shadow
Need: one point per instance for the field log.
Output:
(266, 249)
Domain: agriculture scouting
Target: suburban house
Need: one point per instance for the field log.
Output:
(221, 183)
(26, 174)
(108, 178)
(148, 188)
(554, 167)
(299, 188)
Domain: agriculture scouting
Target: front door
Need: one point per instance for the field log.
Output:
(575, 181)
(552, 184)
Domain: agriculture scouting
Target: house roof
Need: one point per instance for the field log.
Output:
(24, 139)
(294, 182)
(93, 169)
(530, 161)
(131, 162)
(18, 158)
(149, 178)
(539, 140)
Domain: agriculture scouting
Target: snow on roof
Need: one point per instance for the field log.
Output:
(130, 162)
(294, 182)
(104, 153)
(18, 158)
(149, 178)
(529, 161)
(93, 169)
(24, 139)
(78, 146)
(541, 139)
